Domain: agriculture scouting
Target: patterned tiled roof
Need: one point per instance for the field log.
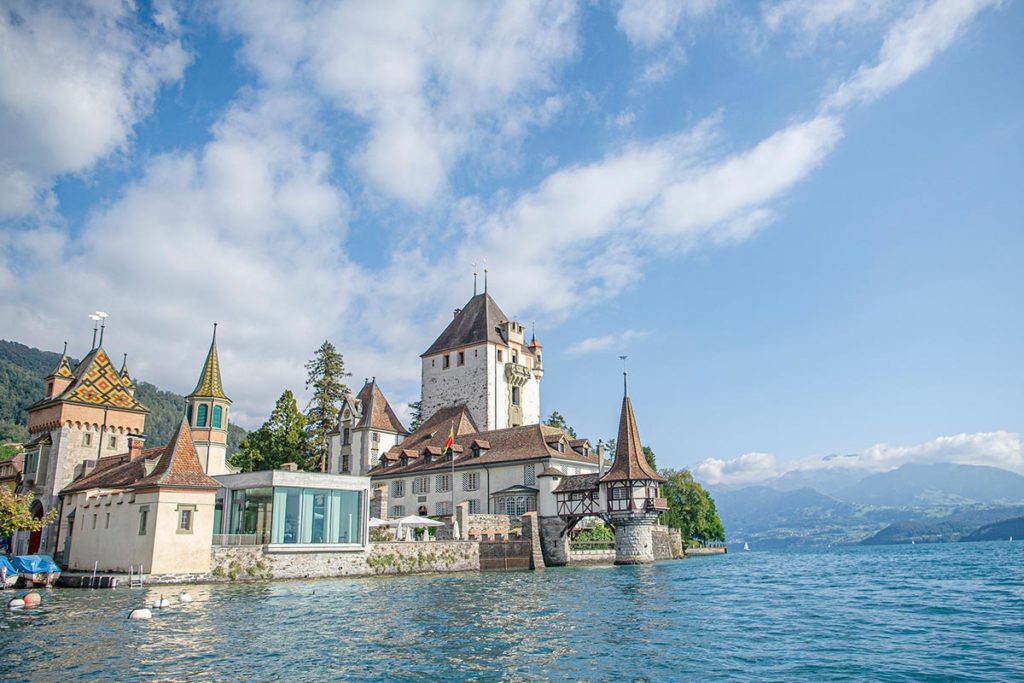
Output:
(377, 412)
(209, 384)
(476, 322)
(630, 462)
(96, 382)
(63, 367)
(174, 465)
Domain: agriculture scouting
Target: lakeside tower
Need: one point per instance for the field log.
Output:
(207, 413)
(631, 489)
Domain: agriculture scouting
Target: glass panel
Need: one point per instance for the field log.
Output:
(348, 506)
(201, 415)
(318, 517)
(287, 504)
(217, 411)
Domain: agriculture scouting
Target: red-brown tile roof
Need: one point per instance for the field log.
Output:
(377, 412)
(629, 463)
(174, 465)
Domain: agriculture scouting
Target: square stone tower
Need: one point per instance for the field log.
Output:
(481, 360)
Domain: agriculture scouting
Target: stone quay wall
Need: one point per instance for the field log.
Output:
(714, 550)
(578, 557)
(634, 542)
(554, 546)
(254, 563)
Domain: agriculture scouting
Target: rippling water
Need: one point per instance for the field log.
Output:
(897, 613)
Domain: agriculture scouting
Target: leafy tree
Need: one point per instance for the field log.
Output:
(16, 513)
(598, 532)
(9, 451)
(556, 420)
(690, 508)
(416, 408)
(326, 377)
(281, 439)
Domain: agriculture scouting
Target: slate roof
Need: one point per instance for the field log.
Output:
(629, 463)
(476, 322)
(95, 382)
(577, 482)
(527, 442)
(377, 412)
(173, 465)
(209, 384)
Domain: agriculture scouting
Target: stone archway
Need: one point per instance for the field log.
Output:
(35, 538)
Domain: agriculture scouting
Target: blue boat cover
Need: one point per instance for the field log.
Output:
(35, 564)
(4, 562)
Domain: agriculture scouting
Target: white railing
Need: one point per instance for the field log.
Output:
(239, 539)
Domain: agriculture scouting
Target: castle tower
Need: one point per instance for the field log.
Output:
(481, 360)
(630, 488)
(85, 414)
(207, 414)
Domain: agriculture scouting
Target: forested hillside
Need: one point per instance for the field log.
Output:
(22, 370)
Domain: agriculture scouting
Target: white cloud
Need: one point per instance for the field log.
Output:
(435, 82)
(650, 23)
(815, 16)
(909, 46)
(73, 84)
(995, 449)
(616, 342)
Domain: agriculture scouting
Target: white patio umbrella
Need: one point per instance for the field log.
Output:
(415, 521)
(377, 522)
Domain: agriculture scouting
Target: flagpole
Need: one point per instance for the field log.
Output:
(451, 452)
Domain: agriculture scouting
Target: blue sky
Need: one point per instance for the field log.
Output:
(801, 220)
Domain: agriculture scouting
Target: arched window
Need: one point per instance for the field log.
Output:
(201, 415)
(188, 412)
(217, 411)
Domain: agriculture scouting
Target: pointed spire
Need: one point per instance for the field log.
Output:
(630, 462)
(63, 368)
(209, 384)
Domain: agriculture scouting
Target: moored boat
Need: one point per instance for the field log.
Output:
(8, 574)
(36, 570)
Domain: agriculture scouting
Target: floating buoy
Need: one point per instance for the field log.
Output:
(183, 596)
(161, 603)
(15, 603)
(32, 599)
(140, 613)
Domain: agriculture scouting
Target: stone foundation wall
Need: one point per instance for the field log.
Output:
(662, 543)
(554, 546)
(577, 557)
(531, 532)
(252, 563)
(634, 542)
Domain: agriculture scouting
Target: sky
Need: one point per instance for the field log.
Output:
(801, 220)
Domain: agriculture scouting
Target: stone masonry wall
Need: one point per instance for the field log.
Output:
(554, 545)
(251, 563)
(633, 538)
(662, 543)
(531, 532)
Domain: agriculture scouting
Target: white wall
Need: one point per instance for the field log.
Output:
(469, 384)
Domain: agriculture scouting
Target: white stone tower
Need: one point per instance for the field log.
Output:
(631, 489)
(481, 360)
(207, 414)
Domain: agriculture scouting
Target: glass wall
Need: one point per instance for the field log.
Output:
(251, 512)
(315, 516)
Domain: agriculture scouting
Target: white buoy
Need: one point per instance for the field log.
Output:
(183, 596)
(15, 603)
(161, 603)
(140, 613)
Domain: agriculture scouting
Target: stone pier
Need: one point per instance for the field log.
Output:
(634, 541)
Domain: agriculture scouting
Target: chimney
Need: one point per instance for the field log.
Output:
(289, 467)
(456, 313)
(600, 458)
(135, 444)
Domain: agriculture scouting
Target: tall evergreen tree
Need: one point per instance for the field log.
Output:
(326, 377)
(416, 409)
(281, 439)
(556, 420)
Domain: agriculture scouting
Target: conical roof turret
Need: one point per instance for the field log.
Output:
(209, 384)
(63, 368)
(630, 462)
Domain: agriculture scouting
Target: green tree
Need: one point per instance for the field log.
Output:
(556, 420)
(651, 459)
(690, 508)
(16, 513)
(326, 377)
(416, 409)
(281, 439)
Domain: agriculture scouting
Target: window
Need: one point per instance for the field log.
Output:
(143, 518)
(312, 516)
(94, 521)
(346, 437)
(462, 358)
(443, 483)
(185, 515)
(398, 511)
(499, 355)
(515, 506)
(106, 522)
(529, 475)
(397, 489)
(421, 485)
(443, 507)
(474, 506)
(620, 493)
(112, 442)
(188, 412)
(217, 413)
(201, 412)
(375, 437)
(86, 439)
(346, 462)
(515, 396)
(470, 481)
(515, 357)
(432, 360)
(446, 361)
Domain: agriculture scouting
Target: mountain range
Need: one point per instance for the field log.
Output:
(23, 368)
(915, 502)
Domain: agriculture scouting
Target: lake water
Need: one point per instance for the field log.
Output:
(897, 613)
